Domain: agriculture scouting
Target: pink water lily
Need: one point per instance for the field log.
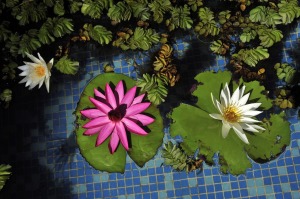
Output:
(115, 113)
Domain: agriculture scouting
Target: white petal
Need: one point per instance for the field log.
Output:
(249, 106)
(244, 99)
(248, 127)
(219, 106)
(224, 99)
(258, 127)
(251, 113)
(213, 99)
(33, 58)
(242, 91)
(225, 129)
(47, 84)
(23, 80)
(24, 67)
(248, 120)
(24, 73)
(235, 97)
(240, 133)
(41, 83)
(216, 116)
(227, 92)
(50, 64)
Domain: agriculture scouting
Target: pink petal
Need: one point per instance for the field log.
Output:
(99, 94)
(97, 122)
(122, 135)
(93, 131)
(110, 96)
(137, 108)
(92, 113)
(120, 90)
(129, 96)
(138, 99)
(101, 106)
(114, 141)
(133, 127)
(105, 132)
(144, 119)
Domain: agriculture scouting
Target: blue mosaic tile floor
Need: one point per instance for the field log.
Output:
(37, 139)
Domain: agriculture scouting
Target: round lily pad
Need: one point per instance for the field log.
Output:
(143, 148)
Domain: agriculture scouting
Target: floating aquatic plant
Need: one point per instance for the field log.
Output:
(207, 134)
(4, 174)
(116, 111)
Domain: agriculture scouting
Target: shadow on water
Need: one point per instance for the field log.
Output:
(197, 58)
(24, 137)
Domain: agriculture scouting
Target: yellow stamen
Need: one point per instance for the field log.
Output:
(231, 114)
(40, 71)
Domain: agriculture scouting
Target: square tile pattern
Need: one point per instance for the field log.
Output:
(39, 142)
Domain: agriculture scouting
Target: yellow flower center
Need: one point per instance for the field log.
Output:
(231, 114)
(40, 71)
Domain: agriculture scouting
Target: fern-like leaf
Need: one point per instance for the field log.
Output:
(207, 25)
(30, 11)
(4, 174)
(59, 7)
(289, 10)
(194, 4)
(120, 12)
(99, 33)
(174, 156)
(4, 32)
(13, 44)
(11, 3)
(258, 14)
(94, 8)
(252, 56)
(159, 8)
(140, 10)
(75, 6)
(29, 42)
(269, 36)
(248, 35)
(155, 88)
(180, 18)
(67, 66)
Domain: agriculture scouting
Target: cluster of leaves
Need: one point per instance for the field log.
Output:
(67, 66)
(251, 56)
(284, 99)
(140, 38)
(155, 88)
(207, 25)
(285, 72)
(175, 157)
(4, 174)
(206, 135)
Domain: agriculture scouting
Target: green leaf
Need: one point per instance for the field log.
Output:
(194, 4)
(181, 18)
(94, 8)
(269, 36)
(4, 32)
(251, 56)
(143, 147)
(206, 134)
(29, 43)
(59, 8)
(203, 91)
(140, 10)
(67, 66)
(247, 35)
(99, 33)
(218, 47)
(156, 88)
(207, 25)
(120, 12)
(269, 144)
(288, 10)
(4, 174)
(258, 14)
(206, 15)
(159, 8)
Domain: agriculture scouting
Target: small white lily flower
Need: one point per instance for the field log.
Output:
(235, 113)
(36, 73)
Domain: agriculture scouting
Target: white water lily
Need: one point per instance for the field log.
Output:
(36, 73)
(235, 113)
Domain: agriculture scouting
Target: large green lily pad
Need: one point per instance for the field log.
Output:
(143, 148)
(199, 130)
